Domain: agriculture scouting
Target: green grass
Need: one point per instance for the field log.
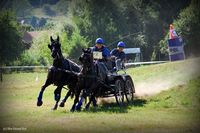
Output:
(180, 70)
(176, 110)
(181, 96)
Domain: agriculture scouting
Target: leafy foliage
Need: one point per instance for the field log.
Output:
(39, 54)
(39, 3)
(72, 42)
(48, 11)
(63, 6)
(139, 23)
(11, 41)
(188, 27)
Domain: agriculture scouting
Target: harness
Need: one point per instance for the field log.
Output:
(63, 65)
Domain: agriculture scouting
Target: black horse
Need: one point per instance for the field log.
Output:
(92, 78)
(63, 72)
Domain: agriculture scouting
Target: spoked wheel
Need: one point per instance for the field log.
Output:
(119, 91)
(129, 90)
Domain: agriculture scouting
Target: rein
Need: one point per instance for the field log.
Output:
(67, 71)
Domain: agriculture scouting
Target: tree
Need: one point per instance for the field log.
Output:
(40, 3)
(21, 7)
(139, 23)
(48, 11)
(62, 6)
(34, 21)
(11, 45)
(42, 22)
(97, 19)
(188, 27)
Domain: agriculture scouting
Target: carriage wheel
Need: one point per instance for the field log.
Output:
(129, 87)
(119, 91)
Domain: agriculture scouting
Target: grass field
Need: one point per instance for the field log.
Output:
(176, 110)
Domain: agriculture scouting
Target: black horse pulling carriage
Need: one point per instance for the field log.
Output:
(100, 82)
(93, 79)
(61, 73)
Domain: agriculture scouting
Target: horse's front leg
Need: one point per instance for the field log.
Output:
(92, 97)
(57, 94)
(90, 100)
(93, 100)
(77, 93)
(39, 99)
(62, 104)
(83, 97)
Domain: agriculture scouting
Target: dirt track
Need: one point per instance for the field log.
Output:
(151, 86)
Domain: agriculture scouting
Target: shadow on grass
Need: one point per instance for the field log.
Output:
(115, 108)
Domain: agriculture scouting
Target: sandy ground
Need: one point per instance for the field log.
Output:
(154, 86)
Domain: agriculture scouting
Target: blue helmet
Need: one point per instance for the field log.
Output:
(99, 41)
(121, 44)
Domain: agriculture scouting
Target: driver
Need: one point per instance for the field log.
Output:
(102, 48)
(118, 56)
(104, 63)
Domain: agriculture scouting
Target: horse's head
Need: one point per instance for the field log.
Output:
(54, 46)
(86, 57)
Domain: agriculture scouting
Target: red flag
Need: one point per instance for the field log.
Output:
(172, 32)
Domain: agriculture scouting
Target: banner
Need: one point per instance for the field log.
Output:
(176, 50)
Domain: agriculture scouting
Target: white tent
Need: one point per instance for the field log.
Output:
(135, 51)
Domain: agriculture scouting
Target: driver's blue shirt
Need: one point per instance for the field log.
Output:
(105, 51)
(119, 55)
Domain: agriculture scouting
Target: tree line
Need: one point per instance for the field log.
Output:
(139, 23)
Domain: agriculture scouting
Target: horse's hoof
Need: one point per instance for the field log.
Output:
(95, 105)
(87, 107)
(62, 104)
(72, 110)
(78, 108)
(55, 107)
(39, 103)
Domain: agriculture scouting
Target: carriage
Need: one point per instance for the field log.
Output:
(120, 86)
(85, 79)
(117, 83)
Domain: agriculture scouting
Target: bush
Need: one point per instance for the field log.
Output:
(72, 44)
(39, 54)
(42, 22)
(48, 11)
